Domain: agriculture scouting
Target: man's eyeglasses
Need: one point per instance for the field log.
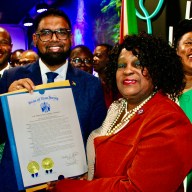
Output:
(78, 61)
(47, 34)
(5, 43)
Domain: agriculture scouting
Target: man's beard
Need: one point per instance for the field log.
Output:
(53, 58)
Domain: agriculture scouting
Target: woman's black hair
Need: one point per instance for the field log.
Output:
(160, 59)
(181, 29)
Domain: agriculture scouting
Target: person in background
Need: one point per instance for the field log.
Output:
(183, 47)
(100, 63)
(144, 142)
(52, 39)
(101, 59)
(15, 56)
(81, 57)
(5, 50)
(28, 57)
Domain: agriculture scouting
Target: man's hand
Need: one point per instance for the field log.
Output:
(21, 84)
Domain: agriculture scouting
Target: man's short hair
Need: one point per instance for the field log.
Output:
(49, 12)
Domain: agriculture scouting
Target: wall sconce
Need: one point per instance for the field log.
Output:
(28, 21)
(41, 7)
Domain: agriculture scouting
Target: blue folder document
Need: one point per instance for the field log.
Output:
(44, 134)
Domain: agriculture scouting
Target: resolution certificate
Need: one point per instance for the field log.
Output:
(45, 135)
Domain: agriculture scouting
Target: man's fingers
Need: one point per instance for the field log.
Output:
(21, 84)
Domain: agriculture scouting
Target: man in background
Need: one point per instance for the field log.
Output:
(100, 61)
(5, 50)
(15, 56)
(28, 57)
(81, 57)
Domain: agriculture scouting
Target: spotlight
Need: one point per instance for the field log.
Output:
(28, 21)
(41, 7)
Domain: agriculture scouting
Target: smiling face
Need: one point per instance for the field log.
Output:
(5, 48)
(184, 50)
(83, 55)
(134, 85)
(55, 51)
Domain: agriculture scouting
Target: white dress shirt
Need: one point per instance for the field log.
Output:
(2, 71)
(62, 71)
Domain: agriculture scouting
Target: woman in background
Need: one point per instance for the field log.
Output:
(183, 46)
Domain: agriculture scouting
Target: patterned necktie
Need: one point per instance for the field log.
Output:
(51, 76)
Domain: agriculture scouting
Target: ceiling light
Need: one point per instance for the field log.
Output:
(28, 21)
(41, 7)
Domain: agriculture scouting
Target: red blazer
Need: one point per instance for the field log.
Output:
(151, 154)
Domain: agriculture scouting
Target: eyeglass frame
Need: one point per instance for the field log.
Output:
(81, 61)
(5, 43)
(68, 32)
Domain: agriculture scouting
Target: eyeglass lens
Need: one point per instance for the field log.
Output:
(4, 43)
(79, 61)
(46, 35)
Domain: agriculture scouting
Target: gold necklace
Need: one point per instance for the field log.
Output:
(114, 127)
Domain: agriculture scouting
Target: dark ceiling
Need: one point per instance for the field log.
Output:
(14, 11)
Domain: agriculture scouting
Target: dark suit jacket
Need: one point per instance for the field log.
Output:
(89, 100)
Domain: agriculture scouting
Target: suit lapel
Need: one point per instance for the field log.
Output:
(34, 73)
(73, 77)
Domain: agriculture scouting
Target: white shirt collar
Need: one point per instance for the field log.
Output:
(7, 67)
(62, 71)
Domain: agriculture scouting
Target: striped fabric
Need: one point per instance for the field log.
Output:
(128, 19)
(1, 150)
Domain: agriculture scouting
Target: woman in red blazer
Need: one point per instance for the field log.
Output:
(144, 142)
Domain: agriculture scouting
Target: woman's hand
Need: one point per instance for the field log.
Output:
(80, 177)
(83, 177)
(50, 186)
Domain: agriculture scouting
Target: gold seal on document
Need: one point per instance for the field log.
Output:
(47, 164)
(33, 167)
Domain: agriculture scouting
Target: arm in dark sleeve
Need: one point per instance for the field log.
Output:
(3, 89)
(99, 109)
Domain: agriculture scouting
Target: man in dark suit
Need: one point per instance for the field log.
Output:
(53, 41)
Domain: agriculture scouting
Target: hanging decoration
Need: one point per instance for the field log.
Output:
(128, 20)
(148, 17)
